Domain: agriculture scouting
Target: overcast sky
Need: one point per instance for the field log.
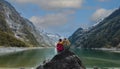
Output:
(64, 16)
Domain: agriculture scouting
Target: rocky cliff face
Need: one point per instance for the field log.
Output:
(78, 36)
(104, 34)
(64, 60)
(18, 27)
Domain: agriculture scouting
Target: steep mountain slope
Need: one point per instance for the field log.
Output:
(105, 34)
(19, 28)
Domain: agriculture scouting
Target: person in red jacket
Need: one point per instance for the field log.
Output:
(59, 46)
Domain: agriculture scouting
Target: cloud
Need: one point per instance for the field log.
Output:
(51, 20)
(101, 14)
(90, 7)
(53, 4)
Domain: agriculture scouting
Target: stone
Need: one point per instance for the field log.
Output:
(64, 60)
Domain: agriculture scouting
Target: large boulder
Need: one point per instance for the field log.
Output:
(64, 60)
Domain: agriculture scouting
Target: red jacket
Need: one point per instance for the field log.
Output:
(60, 47)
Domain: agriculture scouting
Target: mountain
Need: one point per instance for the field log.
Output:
(105, 34)
(54, 37)
(16, 30)
(50, 38)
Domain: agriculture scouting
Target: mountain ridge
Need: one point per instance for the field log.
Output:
(104, 34)
(20, 28)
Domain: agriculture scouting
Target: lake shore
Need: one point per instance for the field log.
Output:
(116, 50)
(7, 50)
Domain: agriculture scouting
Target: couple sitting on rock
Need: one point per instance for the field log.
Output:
(63, 45)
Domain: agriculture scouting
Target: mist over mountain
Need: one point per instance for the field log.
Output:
(16, 30)
(104, 34)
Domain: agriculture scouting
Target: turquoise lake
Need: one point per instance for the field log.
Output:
(35, 57)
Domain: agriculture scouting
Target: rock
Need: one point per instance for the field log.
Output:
(95, 67)
(64, 60)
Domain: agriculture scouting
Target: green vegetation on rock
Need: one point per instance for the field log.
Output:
(30, 37)
(8, 40)
(6, 35)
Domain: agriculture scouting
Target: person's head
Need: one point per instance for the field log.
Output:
(60, 40)
(65, 38)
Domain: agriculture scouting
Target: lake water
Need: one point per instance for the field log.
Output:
(33, 58)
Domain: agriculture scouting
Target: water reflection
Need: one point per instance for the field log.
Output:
(33, 58)
(28, 58)
(93, 58)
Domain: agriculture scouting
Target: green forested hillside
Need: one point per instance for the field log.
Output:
(6, 35)
(8, 40)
